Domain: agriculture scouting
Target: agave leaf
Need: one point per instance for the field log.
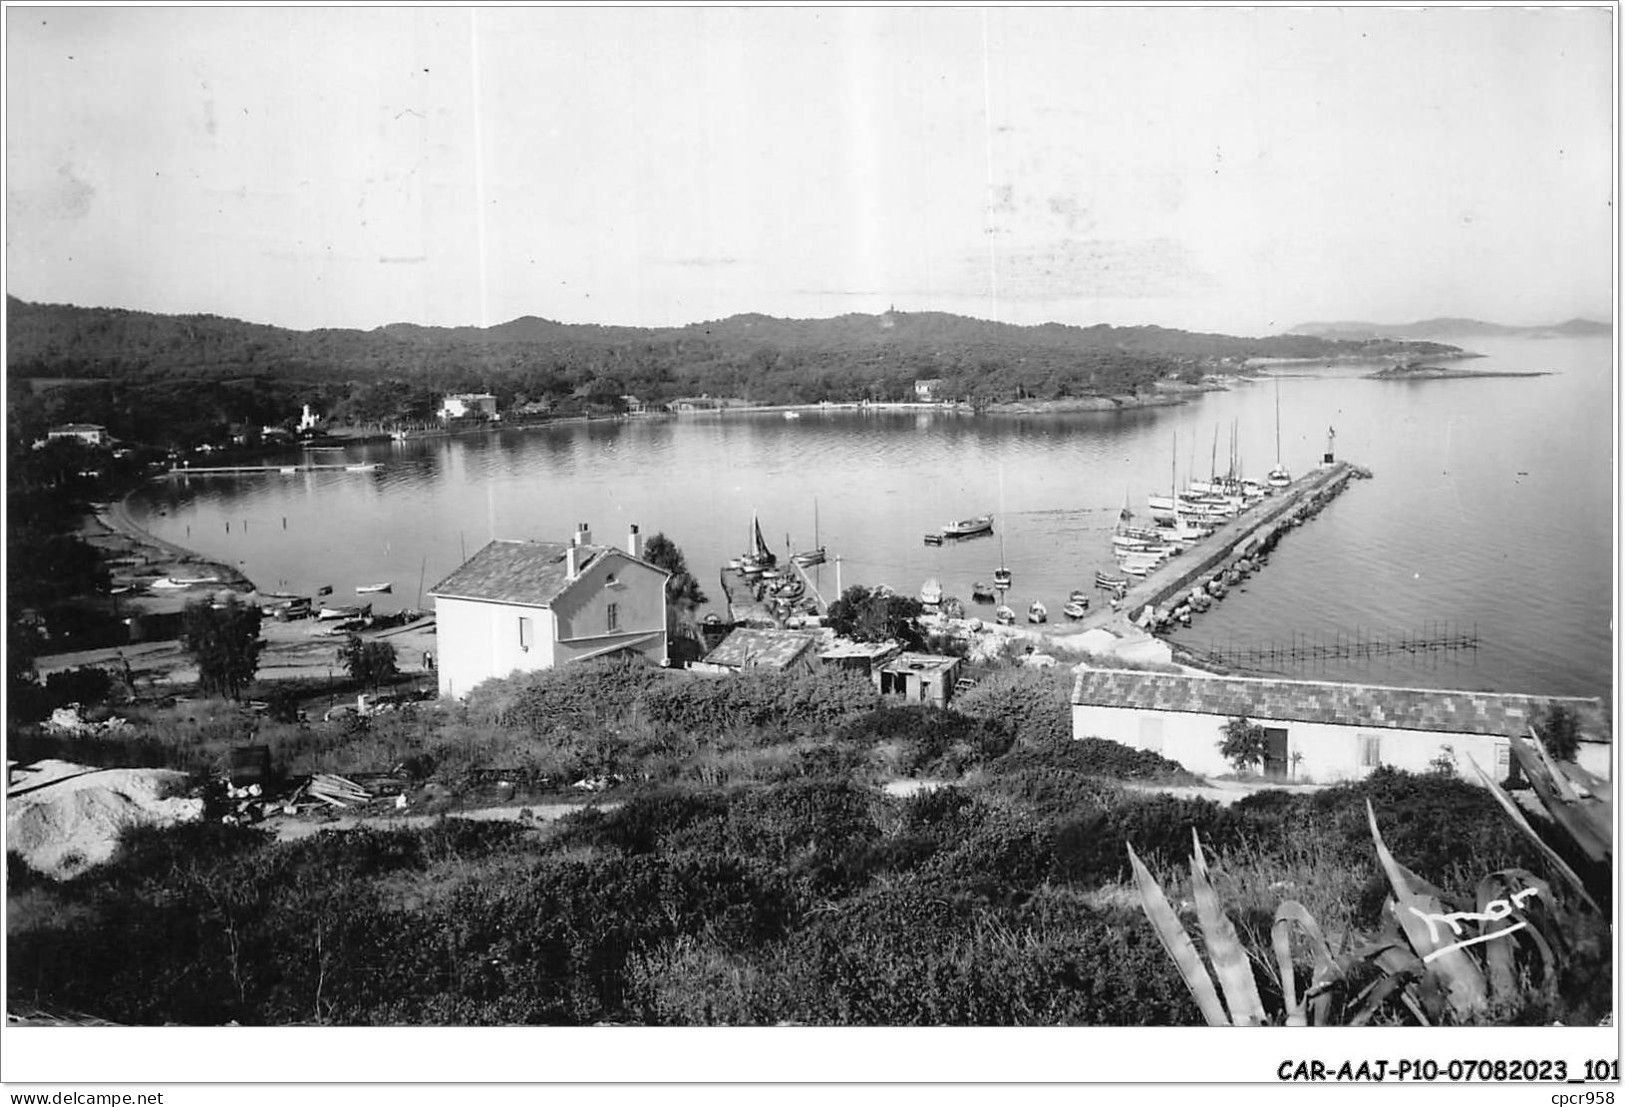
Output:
(1371, 999)
(1503, 885)
(1289, 914)
(1516, 814)
(1582, 820)
(1177, 943)
(1434, 941)
(1224, 948)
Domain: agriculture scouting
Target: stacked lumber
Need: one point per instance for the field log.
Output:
(336, 790)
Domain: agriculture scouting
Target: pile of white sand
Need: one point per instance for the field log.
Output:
(64, 818)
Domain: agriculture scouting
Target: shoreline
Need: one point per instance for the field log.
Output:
(156, 553)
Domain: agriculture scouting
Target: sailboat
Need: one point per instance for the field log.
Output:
(1280, 476)
(1002, 576)
(816, 555)
(760, 558)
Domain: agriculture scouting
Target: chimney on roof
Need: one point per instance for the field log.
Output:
(634, 543)
(585, 534)
(572, 561)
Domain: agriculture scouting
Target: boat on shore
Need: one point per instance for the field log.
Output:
(327, 614)
(182, 582)
(966, 528)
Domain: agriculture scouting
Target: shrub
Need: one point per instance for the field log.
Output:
(564, 696)
(1097, 756)
(929, 738)
(1035, 704)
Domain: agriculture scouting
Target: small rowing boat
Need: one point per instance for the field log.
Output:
(384, 587)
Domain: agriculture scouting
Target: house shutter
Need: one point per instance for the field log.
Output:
(1370, 751)
(1151, 733)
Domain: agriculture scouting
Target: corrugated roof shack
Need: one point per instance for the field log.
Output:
(1319, 730)
(859, 657)
(781, 651)
(919, 677)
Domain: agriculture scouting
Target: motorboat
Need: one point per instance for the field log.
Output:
(1109, 582)
(965, 528)
(981, 590)
(1037, 613)
(1075, 610)
(1002, 577)
(1004, 616)
(386, 586)
(1079, 596)
(931, 592)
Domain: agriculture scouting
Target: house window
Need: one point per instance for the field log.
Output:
(526, 634)
(613, 612)
(1151, 733)
(1370, 751)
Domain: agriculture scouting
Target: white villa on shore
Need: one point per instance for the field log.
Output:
(519, 606)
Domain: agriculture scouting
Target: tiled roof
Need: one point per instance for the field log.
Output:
(1437, 710)
(760, 649)
(508, 571)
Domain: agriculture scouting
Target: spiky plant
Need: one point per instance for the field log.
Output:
(1432, 954)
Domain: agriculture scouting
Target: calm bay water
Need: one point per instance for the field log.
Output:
(1492, 507)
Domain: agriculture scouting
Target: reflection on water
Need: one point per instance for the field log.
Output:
(1492, 505)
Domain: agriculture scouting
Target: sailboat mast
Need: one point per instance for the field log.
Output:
(1277, 422)
(1213, 462)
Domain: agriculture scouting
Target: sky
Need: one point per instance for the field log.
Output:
(1218, 168)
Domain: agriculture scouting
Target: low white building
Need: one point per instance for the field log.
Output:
(91, 434)
(519, 606)
(463, 405)
(1318, 730)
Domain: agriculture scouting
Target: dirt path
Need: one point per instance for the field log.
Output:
(1226, 792)
(292, 828)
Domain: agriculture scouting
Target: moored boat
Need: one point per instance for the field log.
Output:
(384, 586)
(1109, 582)
(1002, 578)
(1037, 612)
(931, 592)
(1005, 616)
(182, 582)
(1079, 596)
(965, 528)
(1075, 610)
(981, 590)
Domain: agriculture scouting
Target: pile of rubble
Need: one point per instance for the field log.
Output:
(63, 818)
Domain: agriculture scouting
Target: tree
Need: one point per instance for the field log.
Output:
(224, 640)
(877, 615)
(1560, 732)
(369, 663)
(682, 590)
(1244, 743)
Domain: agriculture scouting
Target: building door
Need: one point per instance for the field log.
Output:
(1275, 763)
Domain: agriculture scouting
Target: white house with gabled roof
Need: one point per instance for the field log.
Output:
(1320, 730)
(519, 606)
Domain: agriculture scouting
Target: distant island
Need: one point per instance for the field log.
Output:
(1442, 373)
(1432, 329)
